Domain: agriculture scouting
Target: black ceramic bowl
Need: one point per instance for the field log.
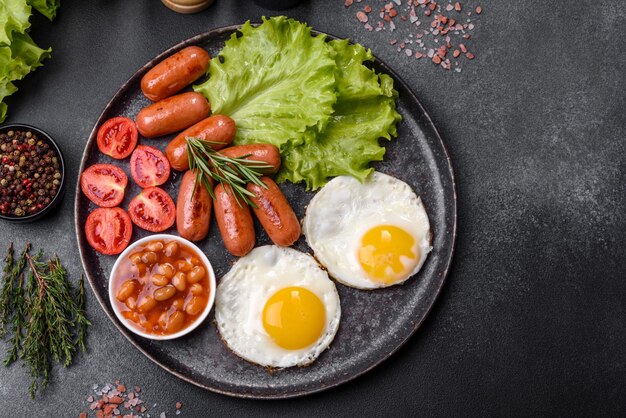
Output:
(61, 190)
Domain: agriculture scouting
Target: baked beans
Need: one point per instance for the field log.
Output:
(162, 287)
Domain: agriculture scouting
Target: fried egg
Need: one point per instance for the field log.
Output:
(368, 235)
(277, 307)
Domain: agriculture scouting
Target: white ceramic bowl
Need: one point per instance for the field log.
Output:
(184, 331)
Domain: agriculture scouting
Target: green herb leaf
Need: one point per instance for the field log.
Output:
(47, 316)
(232, 173)
(6, 295)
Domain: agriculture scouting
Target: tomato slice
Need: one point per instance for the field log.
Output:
(117, 137)
(153, 210)
(149, 166)
(108, 230)
(104, 184)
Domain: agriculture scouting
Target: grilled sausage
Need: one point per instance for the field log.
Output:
(217, 128)
(234, 221)
(175, 73)
(193, 209)
(172, 114)
(266, 153)
(274, 212)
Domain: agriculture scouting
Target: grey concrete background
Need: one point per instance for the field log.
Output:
(532, 319)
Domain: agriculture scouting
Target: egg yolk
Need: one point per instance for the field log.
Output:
(294, 317)
(382, 248)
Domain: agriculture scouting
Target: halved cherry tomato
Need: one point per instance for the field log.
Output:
(104, 184)
(152, 209)
(117, 137)
(108, 230)
(149, 166)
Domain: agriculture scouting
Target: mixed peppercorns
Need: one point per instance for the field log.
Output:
(30, 173)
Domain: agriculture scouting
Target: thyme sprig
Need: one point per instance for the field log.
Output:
(46, 315)
(8, 294)
(7, 290)
(81, 317)
(228, 171)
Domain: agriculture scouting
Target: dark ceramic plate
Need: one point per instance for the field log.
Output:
(374, 324)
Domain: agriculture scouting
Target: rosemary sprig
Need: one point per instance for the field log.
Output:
(47, 316)
(234, 172)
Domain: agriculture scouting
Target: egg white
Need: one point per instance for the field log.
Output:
(344, 210)
(243, 292)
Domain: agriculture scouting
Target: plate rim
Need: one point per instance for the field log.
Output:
(305, 392)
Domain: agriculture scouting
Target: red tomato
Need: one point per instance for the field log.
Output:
(104, 184)
(117, 137)
(149, 166)
(153, 210)
(108, 230)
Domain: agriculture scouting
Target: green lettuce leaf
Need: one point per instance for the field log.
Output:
(14, 16)
(315, 100)
(48, 8)
(16, 61)
(276, 81)
(365, 111)
(21, 57)
(6, 89)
